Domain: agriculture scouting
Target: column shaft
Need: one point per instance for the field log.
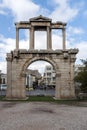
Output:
(64, 38)
(17, 38)
(32, 38)
(49, 44)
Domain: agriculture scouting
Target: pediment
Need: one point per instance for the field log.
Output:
(40, 18)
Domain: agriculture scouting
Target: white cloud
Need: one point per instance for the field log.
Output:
(56, 42)
(3, 12)
(82, 46)
(6, 45)
(25, 9)
(85, 13)
(39, 65)
(3, 66)
(24, 44)
(75, 30)
(41, 40)
(63, 11)
(21, 9)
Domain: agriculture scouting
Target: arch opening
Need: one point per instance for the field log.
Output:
(40, 78)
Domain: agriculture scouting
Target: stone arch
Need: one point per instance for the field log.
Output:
(53, 63)
(29, 61)
(62, 60)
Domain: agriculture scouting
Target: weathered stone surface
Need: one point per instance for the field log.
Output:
(62, 60)
(63, 66)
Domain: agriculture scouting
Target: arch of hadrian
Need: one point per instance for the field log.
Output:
(63, 60)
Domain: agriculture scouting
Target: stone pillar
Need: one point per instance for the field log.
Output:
(64, 38)
(9, 76)
(58, 86)
(32, 38)
(49, 44)
(15, 81)
(72, 65)
(17, 38)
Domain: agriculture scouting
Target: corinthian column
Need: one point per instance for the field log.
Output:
(64, 38)
(49, 44)
(17, 38)
(32, 38)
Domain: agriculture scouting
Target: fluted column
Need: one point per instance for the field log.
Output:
(17, 38)
(64, 38)
(49, 44)
(32, 38)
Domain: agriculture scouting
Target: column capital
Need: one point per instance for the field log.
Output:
(9, 57)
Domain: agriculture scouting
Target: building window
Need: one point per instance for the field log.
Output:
(54, 78)
(0, 81)
(48, 79)
(48, 74)
(49, 68)
(3, 80)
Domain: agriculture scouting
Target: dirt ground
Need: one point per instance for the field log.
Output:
(41, 116)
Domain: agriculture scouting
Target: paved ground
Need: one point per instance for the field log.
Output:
(41, 116)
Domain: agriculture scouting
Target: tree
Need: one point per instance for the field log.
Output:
(81, 77)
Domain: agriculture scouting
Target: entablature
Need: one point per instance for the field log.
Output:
(40, 21)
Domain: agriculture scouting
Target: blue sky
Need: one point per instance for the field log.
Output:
(74, 12)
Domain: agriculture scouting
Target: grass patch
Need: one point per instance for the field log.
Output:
(2, 98)
(73, 102)
(40, 98)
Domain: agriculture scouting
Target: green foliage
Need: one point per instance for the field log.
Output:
(82, 77)
(41, 98)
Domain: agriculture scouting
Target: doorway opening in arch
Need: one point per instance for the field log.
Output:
(40, 79)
